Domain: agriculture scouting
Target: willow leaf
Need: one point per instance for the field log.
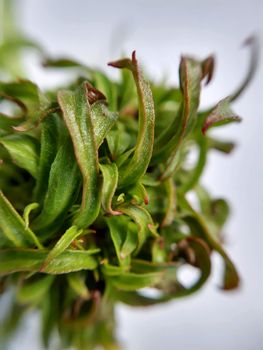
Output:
(171, 203)
(61, 191)
(24, 150)
(222, 114)
(132, 281)
(131, 241)
(7, 123)
(34, 292)
(62, 244)
(110, 181)
(199, 227)
(139, 162)
(51, 130)
(77, 116)
(118, 227)
(144, 221)
(27, 211)
(192, 177)
(102, 121)
(139, 194)
(13, 227)
(118, 142)
(191, 74)
(30, 260)
(107, 87)
(76, 281)
(253, 43)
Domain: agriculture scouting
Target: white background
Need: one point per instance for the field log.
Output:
(98, 31)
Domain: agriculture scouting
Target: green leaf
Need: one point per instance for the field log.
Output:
(107, 87)
(139, 194)
(118, 142)
(222, 114)
(199, 227)
(221, 146)
(130, 242)
(110, 181)
(118, 227)
(13, 227)
(171, 203)
(61, 192)
(76, 281)
(62, 244)
(52, 130)
(34, 292)
(30, 260)
(24, 150)
(168, 270)
(77, 116)
(7, 123)
(132, 281)
(102, 121)
(28, 97)
(191, 75)
(143, 220)
(112, 270)
(27, 211)
(192, 177)
(140, 160)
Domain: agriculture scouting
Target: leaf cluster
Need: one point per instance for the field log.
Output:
(95, 179)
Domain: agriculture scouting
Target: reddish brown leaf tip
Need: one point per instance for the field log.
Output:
(93, 94)
(125, 62)
(208, 66)
(134, 60)
(146, 200)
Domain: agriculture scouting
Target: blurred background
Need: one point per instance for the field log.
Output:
(96, 32)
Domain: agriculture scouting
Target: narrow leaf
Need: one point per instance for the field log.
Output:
(102, 121)
(139, 162)
(110, 181)
(199, 227)
(34, 292)
(51, 130)
(13, 227)
(30, 260)
(27, 211)
(76, 281)
(62, 244)
(61, 191)
(221, 115)
(24, 150)
(144, 221)
(133, 281)
(77, 116)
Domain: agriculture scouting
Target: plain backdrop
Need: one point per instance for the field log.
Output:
(98, 31)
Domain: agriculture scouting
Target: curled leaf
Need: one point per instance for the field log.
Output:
(110, 181)
(77, 116)
(222, 114)
(144, 221)
(24, 150)
(27, 211)
(140, 160)
(13, 227)
(31, 260)
(199, 228)
(253, 44)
